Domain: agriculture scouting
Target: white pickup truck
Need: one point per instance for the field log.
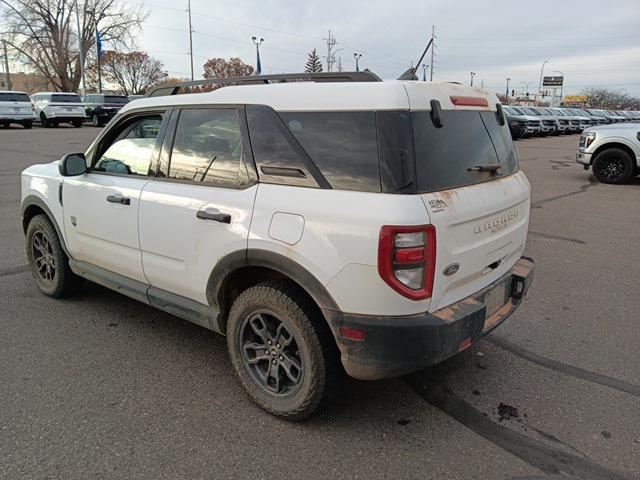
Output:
(611, 151)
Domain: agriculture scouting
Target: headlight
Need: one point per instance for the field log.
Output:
(586, 139)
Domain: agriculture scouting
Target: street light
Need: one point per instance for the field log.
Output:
(507, 93)
(257, 44)
(424, 72)
(540, 85)
(357, 57)
(472, 74)
(561, 86)
(526, 88)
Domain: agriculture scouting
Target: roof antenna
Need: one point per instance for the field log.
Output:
(410, 74)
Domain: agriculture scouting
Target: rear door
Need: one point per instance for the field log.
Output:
(199, 209)
(481, 216)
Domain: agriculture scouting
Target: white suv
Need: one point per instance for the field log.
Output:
(54, 108)
(15, 107)
(362, 226)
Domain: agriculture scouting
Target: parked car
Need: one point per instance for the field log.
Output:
(548, 125)
(574, 122)
(611, 151)
(517, 124)
(585, 120)
(15, 107)
(615, 117)
(134, 97)
(561, 121)
(54, 108)
(100, 108)
(533, 124)
(372, 227)
(596, 118)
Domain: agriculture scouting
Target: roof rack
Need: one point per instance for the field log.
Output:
(173, 89)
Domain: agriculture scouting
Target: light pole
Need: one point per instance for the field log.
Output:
(424, 72)
(540, 85)
(561, 86)
(472, 74)
(257, 44)
(507, 92)
(357, 57)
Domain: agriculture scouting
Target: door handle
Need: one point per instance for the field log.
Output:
(213, 214)
(119, 199)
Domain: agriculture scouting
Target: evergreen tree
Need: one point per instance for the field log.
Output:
(313, 63)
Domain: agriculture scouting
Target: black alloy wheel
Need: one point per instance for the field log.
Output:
(613, 166)
(44, 259)
(270, 353)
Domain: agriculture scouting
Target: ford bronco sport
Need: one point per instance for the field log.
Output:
(323, 222)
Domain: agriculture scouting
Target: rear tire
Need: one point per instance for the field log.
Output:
(282, 350)
(613, 166)
(49, 264)
(77, 123)
(44, 121)
(27, 125)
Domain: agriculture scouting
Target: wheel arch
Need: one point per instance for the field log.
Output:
(240, 270)
(32, 206)
(622, 146)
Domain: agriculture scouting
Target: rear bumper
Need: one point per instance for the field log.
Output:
(394, 346)
(17, 118)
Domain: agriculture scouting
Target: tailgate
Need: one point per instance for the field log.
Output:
(481, 229)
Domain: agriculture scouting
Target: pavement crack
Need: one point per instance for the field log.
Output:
(557, 237)
(551, 460)
(5, 272)
(582, 189)
(577, 372)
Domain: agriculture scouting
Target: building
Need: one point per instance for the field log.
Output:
(26, 82)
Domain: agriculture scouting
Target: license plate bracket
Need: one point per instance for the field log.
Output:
(495, 298)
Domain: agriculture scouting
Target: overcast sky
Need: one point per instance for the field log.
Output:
(594, 43)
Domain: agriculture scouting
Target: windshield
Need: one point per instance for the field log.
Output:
(65, 99)
(117, 99)
(531, 111)
(14, 97)
(518, 111)
(448, 157)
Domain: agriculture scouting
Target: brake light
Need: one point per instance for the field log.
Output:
(407, 259)
(462, 101)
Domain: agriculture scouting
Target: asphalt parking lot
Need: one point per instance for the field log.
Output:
(99, 386)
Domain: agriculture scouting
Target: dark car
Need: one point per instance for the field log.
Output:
(517, 125)
(102, 107)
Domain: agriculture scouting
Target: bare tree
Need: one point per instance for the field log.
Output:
(43, 33)
(610, 99)
(133, 72)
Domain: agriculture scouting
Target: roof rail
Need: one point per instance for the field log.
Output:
(173, 89)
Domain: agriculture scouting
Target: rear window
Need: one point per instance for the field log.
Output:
(65, 99)
(115, 99)
(14, 97)
(444, 156)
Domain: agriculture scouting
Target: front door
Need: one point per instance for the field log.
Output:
(101, 206)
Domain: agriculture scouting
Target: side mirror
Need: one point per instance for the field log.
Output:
(72, 164)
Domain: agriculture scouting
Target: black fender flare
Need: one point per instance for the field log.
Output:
(34, 200)
(268, 259)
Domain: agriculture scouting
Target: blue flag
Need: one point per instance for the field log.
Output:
(259, 67)
(99, 44)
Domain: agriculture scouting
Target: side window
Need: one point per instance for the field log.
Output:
(343, 146)
(278, 158)
(208, 147)
(133, 146)
(395, 143)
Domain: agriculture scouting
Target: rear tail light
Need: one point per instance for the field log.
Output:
(407, 258)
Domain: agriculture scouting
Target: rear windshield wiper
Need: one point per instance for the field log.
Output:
(489, 167)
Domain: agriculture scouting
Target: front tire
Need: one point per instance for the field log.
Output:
(282, 350)
(613, 166)
(49, 264)
(95, 121)
(27, 125)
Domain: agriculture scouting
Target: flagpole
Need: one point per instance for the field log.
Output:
(98, 52)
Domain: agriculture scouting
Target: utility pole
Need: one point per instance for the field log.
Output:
(433, 48)
(472, 74)
(6, 65)
(190, 37)
(507, 92)
(331, 42)
(357, 57)
(540, 86)
(339, 64)
(80, 52)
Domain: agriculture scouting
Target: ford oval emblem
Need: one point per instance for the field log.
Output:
(451, 269)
